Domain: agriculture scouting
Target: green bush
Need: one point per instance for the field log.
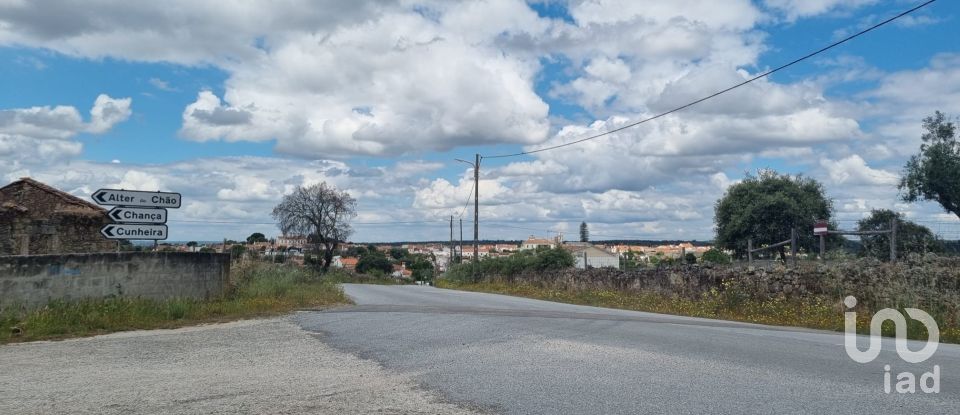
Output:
(374, 260)
(539, 260)
(716, 256)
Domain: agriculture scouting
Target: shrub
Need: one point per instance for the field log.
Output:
(374, 260)
(540, 260)
(716, 256)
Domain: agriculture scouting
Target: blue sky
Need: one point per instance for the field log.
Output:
(233, 108)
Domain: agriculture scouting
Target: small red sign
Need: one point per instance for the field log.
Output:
(820, 228)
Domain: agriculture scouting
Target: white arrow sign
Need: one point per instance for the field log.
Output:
(134, 231)
(121, 214)
(136, 198)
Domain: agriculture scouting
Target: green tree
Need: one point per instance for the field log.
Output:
(584, 232)
(398, 253)
(421, 267)
(690, 258)
(765, 207)
(911, 237)
(256, 237)
(934, 173)
(374, 260)
(554, 258)
(192, 244)
(355, 251)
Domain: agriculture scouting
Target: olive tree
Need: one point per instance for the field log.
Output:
(911, 237)
(934, 173)
(320, 212)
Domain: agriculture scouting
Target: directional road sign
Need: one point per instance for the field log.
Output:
(116, 197)
(121, 214)
(134, 231)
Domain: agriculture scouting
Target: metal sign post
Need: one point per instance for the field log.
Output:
(136, 214)
(136, 198)
(821, 229)
(134, 231)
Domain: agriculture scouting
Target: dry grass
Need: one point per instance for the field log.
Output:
(729, 303)
(256, 290)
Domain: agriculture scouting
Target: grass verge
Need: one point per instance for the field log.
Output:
(341, 276)
(814, 312)
(256, 290)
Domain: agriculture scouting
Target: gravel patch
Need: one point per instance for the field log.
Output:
(267, 366)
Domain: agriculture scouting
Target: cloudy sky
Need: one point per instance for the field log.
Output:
(234, 103)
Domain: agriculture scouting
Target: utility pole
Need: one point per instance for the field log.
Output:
(476, 209)
(461, 241)
(450, 261)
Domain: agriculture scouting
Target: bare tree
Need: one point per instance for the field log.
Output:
(319, 212)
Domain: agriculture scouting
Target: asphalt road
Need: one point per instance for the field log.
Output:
(521, 356)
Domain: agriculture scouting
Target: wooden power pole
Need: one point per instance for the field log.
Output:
(450, 260)
(476, 209)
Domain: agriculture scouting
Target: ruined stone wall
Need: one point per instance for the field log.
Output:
(63, 232)
(7, 231)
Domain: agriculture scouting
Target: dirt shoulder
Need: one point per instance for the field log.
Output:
(251, 366)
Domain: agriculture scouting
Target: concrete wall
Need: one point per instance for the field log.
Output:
(596, 261)
(34, 280)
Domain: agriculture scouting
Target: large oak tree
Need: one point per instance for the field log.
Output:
(765, 207)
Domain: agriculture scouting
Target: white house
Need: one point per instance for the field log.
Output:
(534, 243)
(292, 241)
(593, 257)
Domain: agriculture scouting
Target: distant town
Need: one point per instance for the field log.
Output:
(598, 254)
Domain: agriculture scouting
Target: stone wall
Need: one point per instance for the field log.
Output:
(38, 219)
(63, 232)
(926, 281)
(34, 280)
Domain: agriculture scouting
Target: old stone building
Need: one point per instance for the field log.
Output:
(39, 219)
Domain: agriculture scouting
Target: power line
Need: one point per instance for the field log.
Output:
(715, 94)
(219, 222)
(495, 225)
(467, 203)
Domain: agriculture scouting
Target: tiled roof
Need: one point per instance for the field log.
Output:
(66, 197)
